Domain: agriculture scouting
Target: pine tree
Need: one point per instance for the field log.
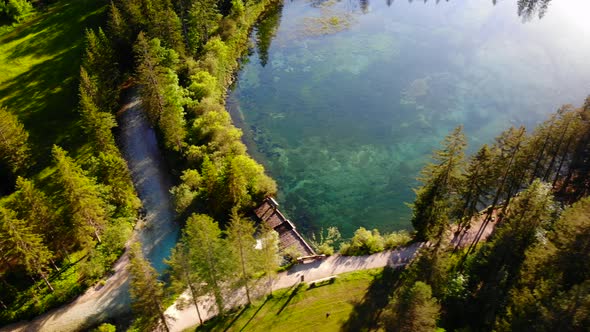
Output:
(240, 235)
(479, 179)
(202, 20)
(14, 148)
(101, 63)
(33, 206)
(413, 309)
(497, 264)
(553, 288)
(269, 253)
(162, 97)
(82, 197)
(114, 172)
(441, 180)
(183, 275)
(210, 255)
(19, 241)
(147, 292)
(95, 123)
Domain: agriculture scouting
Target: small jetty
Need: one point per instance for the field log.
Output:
(269, 213)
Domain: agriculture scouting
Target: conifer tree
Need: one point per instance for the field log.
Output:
(82, 197)
(497, 264)
(19, 241)
(240, 235)
(96, 124)
(14, 148)
(552, 291)
(101, 63)
(33, 207)
(441, 180)
(413, 309)
(478, 182)
(269, 253)
(162, 97)
(210, 255)
(183, 275)
(147, 292)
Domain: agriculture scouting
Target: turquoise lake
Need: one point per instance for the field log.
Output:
(343, 101)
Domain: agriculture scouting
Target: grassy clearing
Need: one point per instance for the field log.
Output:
(353, 302)
(40, 63)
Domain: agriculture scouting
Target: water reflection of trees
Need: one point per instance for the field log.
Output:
(526, 9)
(529, 8)
(266, 30)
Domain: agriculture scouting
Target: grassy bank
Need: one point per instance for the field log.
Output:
(40, 65)
(352, 301)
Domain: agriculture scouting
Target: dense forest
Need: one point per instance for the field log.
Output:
(76, 209)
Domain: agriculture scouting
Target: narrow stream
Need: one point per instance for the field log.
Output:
(158, 235)
(152, 181)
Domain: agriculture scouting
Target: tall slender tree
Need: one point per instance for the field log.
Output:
(210, 255)
(162, 97)
(18, 240)
(436, 197)
(413, 309)
(82, 196)
(269, 253)
(147, 292)
(240, 234)
(183, 275)
(14, 147)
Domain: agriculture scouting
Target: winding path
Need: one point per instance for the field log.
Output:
(158, 234)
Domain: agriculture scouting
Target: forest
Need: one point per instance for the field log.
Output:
(69, 206)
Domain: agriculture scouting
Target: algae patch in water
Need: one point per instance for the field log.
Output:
(330, 20)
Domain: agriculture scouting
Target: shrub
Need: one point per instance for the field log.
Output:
(364, 242)
(396, 239)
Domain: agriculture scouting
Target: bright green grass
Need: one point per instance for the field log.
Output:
(353, 301)
(39, 65)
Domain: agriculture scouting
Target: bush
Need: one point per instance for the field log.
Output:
(105, 327)
(325, 242)
(364, 242)
(396, 239)
(15, 9)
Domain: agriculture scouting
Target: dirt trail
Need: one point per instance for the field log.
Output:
(158, 234)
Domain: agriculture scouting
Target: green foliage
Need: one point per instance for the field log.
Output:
(396, 239)
(105, 327)
(434, 203)
(412, 309)
(324, 244)
(83, 198)
(364, 242)
(15, 9)
(101, 62)
(552, 291)
(147, 292)
(269, 253)
(209, 255)
(240, 237)
(19, 242)
(14, 148)
(162, 97)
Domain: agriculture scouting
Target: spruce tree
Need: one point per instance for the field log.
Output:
(412, 309)
(435, 198)
(269, 253)
(210, 255)
(147, 292)
(14, 148)
(162, 97)
(240, 235)
(183, 275)
(83, 198)
(19, 241)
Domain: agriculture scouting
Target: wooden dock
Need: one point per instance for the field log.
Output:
(269, 213)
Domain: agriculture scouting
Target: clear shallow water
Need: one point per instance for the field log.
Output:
(344, 101)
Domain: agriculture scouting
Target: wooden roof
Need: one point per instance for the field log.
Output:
(269, 213)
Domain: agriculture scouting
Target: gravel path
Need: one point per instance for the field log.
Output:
(157, 235)
(333, 265)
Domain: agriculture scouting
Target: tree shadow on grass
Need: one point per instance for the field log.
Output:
(366, 312)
